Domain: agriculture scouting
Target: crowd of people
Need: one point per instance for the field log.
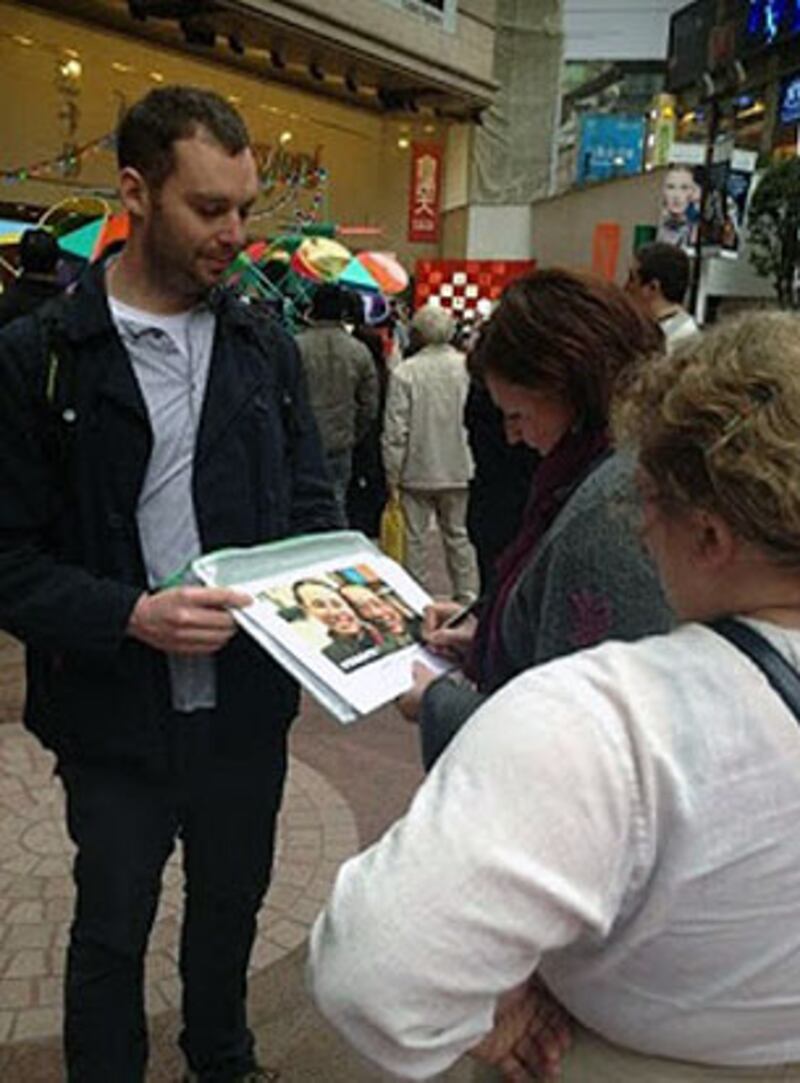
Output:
(391, 413)
(600, 874)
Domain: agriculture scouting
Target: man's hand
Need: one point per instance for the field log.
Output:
(531, 1035)
(186, 620)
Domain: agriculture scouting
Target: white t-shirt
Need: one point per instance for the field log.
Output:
(170, 357)
(678, 327)
(626, 820)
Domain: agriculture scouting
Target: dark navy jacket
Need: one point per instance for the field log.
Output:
(71, 565)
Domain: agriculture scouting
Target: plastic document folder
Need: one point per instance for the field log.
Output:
(334, 611)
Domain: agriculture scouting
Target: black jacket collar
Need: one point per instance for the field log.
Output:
(89, 316)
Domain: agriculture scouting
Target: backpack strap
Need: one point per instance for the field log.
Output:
(784, 679)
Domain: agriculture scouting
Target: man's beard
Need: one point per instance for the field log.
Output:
(166, 266)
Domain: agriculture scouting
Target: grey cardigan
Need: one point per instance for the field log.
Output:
(589, 580)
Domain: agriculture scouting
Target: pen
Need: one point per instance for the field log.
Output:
(460, 615)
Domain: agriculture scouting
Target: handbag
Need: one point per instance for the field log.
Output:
(392, 536)
(784, 678)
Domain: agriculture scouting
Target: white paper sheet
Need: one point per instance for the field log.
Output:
(352, 686)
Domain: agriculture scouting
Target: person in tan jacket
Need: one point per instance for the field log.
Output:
(425, 450)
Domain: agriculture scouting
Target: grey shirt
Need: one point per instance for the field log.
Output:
(170, 356)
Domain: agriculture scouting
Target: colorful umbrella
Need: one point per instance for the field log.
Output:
(283, 246)
(72, 212)
(90, 240)
(376, 308)
(386, 269)
(321, 259)
(256, 250)
(356, 277)
(11, 230)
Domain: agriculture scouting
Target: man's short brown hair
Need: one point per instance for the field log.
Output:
(667, 264)
(149, 130)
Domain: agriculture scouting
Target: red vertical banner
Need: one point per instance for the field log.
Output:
(425, 192)
(605, 249)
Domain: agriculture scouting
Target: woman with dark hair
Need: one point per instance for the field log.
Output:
(499, 488)
(551, 356)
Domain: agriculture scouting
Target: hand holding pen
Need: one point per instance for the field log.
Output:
(448, 629)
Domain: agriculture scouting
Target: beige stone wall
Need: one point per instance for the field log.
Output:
(563, 227)
(380, 32)
(455, 232)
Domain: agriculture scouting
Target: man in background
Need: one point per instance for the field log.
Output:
(38, 257)
(425, 450)
(342, 383)
(657, 280)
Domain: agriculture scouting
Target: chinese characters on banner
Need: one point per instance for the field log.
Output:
(425, 192)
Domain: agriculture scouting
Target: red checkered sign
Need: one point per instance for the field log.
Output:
(469, 288)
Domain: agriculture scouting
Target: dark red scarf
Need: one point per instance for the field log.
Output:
(574, 457)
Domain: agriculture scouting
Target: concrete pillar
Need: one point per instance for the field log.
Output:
(495, 170)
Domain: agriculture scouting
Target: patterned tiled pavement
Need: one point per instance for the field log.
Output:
(316, 833)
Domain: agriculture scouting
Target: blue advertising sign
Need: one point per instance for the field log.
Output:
(789, 101)
(611, 146)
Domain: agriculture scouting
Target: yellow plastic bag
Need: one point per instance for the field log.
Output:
(392, 538)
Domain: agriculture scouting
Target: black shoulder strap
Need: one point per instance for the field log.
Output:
(783, 677)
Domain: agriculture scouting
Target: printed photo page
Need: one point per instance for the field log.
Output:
(337, 613)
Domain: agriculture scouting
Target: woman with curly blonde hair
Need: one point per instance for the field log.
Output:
(621, 823)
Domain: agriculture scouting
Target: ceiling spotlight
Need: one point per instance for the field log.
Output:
(315, 71)
(276, 58)
(235, 44)
(71, 69)
(285, 137)
(350, 82)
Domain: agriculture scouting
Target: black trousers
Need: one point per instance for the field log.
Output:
(125, 826)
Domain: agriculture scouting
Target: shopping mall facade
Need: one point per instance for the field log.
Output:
(341, 100)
